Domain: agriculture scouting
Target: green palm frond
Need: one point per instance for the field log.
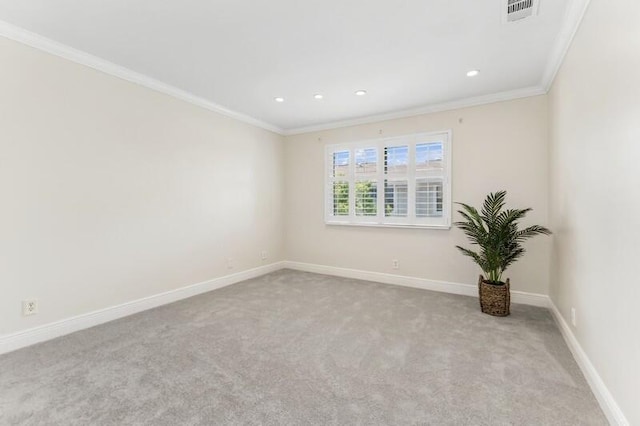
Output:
(510, 216)
(472, 254)
(492, 206)
(532, 231)
(496, 232)
(472, 225)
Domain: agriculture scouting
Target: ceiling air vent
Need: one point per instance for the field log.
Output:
(514, 10)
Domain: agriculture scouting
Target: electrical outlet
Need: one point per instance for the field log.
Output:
(230, 263)
(574, 320)
(29, 307)
(264, 255)
(395, 264)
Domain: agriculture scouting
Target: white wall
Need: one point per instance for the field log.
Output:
(595, 194)
(497, 146)
(111, 192)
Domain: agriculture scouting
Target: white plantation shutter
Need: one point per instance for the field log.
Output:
(400, 181)
(366, 186)
(339, 200)
(396, 197)
(428, 198)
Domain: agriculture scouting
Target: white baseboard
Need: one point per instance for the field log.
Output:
(45, 332)
(50, 331)
(604, 397)
(608, 404)
(525, 298)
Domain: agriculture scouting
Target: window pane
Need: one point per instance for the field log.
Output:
(429, 156)
(398, 181)
(396, 159)
(395, 198)
(366, 198)
(428, 198)
(340, 164)
(341, 198)
(366, 161)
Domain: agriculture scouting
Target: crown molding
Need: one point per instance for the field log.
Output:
(428, 109)
(573, 17)
(572, 20)
(37, 41)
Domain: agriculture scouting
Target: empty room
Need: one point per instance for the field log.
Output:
(419, 212)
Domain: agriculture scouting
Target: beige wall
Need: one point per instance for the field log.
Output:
(498, 146)
(112, 192)
(595, 194)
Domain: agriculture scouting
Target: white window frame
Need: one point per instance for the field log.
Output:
(412, 176)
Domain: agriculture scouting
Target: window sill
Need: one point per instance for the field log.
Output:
(389, 225)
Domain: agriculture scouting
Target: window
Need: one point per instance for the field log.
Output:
(400, 181)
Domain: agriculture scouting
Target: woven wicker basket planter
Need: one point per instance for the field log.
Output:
(494, 299)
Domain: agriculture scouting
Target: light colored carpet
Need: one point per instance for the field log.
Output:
(298, 348)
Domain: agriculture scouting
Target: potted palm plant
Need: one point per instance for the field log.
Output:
(496, 233)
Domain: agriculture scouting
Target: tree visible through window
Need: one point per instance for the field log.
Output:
(366, 198)
(341, 198)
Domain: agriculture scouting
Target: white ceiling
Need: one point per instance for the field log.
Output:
(241, 54)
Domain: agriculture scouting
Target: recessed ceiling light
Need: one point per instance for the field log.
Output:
(318, 96)
(278, 99)
(361, 92)
(473, 73)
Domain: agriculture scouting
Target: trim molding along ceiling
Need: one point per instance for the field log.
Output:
(573, 17)
(37, 41)
(445, 106)
(575, 12)
(45, 332)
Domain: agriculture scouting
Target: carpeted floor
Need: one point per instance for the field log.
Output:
(294, 348)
